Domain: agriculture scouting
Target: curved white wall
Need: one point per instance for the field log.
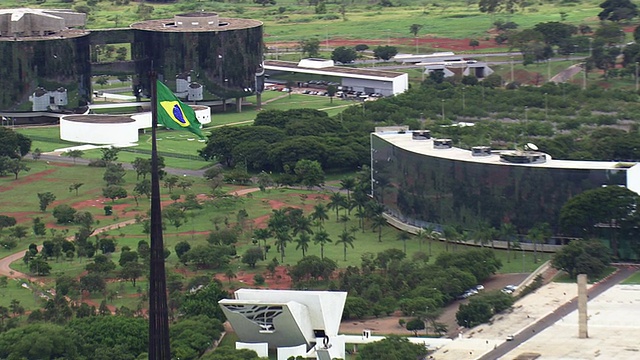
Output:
(108, 133)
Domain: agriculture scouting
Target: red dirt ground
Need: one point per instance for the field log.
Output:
(27, 179)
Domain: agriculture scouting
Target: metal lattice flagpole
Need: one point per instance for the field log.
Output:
(159, 348)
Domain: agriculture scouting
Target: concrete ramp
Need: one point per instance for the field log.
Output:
(323, 354)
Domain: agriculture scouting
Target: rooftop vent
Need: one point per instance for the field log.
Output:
(442, 143)
(480, 151)
(522, 157)
(421, 135)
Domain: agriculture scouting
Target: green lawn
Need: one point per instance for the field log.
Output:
(15, 291)
(633, 279)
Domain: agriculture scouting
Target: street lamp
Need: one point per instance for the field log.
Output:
(511, 61)
(463, 102)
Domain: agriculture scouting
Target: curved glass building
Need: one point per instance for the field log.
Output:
(424, 181)
(223, 55)
(45, 60)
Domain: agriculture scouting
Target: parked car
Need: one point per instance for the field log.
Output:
(479, 287)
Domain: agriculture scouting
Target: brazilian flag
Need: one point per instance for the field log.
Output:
(173, 114)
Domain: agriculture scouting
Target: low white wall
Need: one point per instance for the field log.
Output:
(98, 133)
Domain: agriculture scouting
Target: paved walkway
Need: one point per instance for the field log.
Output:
(5, 262)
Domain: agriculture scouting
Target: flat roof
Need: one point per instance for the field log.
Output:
(425, 147)
(363, 73)
(167, 25)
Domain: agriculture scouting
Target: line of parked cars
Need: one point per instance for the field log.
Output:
(509, 289)
(470, 292)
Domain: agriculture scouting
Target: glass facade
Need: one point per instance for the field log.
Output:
(421, 189)
(225, 62)
(50, 64)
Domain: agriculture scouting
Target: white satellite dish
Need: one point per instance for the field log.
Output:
(532, 147)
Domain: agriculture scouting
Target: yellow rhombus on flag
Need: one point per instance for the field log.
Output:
(173, 114)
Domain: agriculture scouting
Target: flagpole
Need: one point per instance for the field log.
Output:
(159, 347)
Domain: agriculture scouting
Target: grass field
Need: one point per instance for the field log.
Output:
(633, 279)
(291, 21)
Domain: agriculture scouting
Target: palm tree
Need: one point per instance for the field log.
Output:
(320, 213)
(302, 225)
(229, 274)
(336, 201)
(378, 223)
(422, 235)
(507, 232)
(432, 235)
(321, 237)
(403, 236)
(262, 234)
(361, 215)
(344, 219)
(348, 184)
(483, 234)
(345, 239)
(302, 243)
(282, 238)
(538, 233)
(449, 233)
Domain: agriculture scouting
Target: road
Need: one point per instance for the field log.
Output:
(529, 332)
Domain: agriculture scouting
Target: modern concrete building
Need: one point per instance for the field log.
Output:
(424, 181)
(296, 323)
(114, 129)
(365, 80)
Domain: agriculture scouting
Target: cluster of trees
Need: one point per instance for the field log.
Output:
(278, 139)
(481, 308)
(423, 289)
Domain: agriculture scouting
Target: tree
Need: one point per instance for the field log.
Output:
(182, 248)
(378, 222)
(110, 154)
(415, 29)
(404, 236)
(311, 47)
(309, 173)
(46, 199)
(6, 221)
(13, 144)
(385, 52)
(393, 347)
(346, 239)
(143, 187)
(114, 174)
(252, 256)
(142, 167)
(101, 265)
(36, 154)
(39, 266)
(321, 237)
(93, 283)
(265, 2)
(554, 33)
(589, 257)
(75, 186)
(132, 271)
(331, 92)
(170, 182)
(64, 213)
(415, 325)
(16, 166)
(38, 341)
(74, 154)
(474, 43)
(344, 55)
(114, 192)
(302, 243)
(361, 47)
(320, 213)
(618, 10)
